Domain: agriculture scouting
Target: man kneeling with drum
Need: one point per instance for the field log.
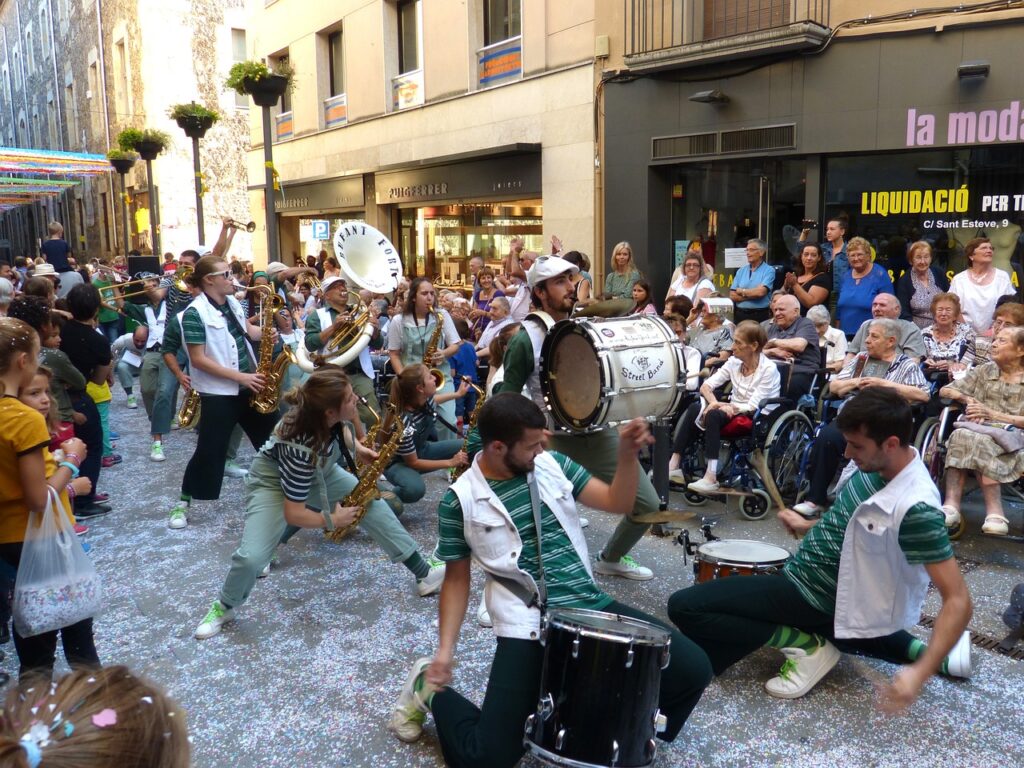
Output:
(491, 514)
(859, 577)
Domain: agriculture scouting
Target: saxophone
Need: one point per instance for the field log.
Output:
(189, 411)
(431, 349)
(456, 472)
(266, 400)
(365, 492)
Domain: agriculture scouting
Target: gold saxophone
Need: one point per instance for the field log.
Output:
(189, 411)
(456, 472)
(431, 349)
(267, 399)
(365, 493)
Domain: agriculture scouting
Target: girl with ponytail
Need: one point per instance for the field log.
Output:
(295, 481)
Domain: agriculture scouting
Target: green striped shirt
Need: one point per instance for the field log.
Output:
(568, 582)
(194, 332)
(814, 569)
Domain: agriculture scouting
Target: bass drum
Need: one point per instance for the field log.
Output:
(599, 690)
(601, 372)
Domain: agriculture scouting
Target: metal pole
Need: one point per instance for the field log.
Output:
(268, 189)
(199, 191)
(124, 217)
(154, 210)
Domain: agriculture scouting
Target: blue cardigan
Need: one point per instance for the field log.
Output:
(905, 289)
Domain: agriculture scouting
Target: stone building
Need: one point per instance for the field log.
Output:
(451, 126)
(77, 72)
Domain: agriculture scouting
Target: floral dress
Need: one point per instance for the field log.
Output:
(959, 349)
(975, 451)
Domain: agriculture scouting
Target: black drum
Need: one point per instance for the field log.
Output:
(599, 690)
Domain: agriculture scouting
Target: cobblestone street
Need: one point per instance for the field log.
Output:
(308, 672)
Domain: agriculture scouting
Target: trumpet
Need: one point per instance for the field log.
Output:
(307, 279)
(248, 227)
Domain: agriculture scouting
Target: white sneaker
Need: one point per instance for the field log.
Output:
(627, 568)
(231, 469)
(215, 618)
(959, 659)
(156, 453)
(264, 573)
(409, 714)
(676, 477)
(807, 509)
(431, 583)
(177, 517)
(175, 424)
(132, 402)
(483, 617)
(584, 522)
(952, 515)
(703, 486)
(801, 671)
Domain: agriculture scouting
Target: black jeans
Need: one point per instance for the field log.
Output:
(90, 433)
(826, 455)
(492, 737)
(38, 653)
(687, 432)
(732, 617)
(218, 416)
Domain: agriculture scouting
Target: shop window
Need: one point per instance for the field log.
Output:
(408, 36)
(502, 20)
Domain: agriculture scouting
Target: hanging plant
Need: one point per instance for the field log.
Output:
(128, 138)
(121, 154)
(192, 110)
(247, 77)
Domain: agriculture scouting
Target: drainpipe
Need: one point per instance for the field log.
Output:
(106, 115)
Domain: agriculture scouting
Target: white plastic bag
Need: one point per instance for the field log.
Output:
(57, 585)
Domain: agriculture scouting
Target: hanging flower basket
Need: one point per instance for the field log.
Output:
(122, 161)
(194, 119)
(266, 91)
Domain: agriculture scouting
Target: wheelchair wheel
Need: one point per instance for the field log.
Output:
(928, 444)
(957, 531)
(694, 499)
(786, 442)
(755, 506)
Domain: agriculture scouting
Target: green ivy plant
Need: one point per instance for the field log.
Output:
(122, 154)
(192, 109)
(128, 138)
(257, 70)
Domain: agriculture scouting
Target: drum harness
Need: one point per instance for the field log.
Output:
(538, 599)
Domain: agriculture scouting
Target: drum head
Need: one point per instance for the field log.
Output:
(573, 374)
(610, 625)
(742, 551)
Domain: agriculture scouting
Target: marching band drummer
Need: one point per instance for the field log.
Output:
(550, 280)
(223, 370)
(488, 515)
(409, 335)
(298, 470)
(322, 324)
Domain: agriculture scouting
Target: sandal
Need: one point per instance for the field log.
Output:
(952, 515)
(996, 525)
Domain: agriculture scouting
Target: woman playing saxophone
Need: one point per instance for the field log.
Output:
(296, 473)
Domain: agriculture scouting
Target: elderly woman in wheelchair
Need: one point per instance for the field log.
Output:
(987, 439)
(754, 378)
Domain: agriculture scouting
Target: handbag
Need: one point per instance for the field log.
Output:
(738, 426)
(57, 585)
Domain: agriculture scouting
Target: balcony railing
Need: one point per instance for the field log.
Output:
(659, 30)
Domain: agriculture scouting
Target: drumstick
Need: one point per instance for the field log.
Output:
(761, 465)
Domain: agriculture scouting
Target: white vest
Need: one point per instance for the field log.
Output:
(220, 346)
(537, 325)
(365, 363)
(879, 592)
(156, 322)
(496, 544)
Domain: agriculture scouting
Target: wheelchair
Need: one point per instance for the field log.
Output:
(930, 442)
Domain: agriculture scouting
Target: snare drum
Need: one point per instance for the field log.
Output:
(600, 372)
(599, 690)
(736, 557)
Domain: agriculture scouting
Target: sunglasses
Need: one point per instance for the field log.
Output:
(225, 273)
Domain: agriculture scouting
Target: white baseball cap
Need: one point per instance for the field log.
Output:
(329, 281)
(274, 268)
(546, 267)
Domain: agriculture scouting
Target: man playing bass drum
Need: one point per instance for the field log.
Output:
(550, 280)
(488, 515)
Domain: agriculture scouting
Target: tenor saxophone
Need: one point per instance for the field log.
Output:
(266, 400)
(456, 472)
(189, 410)
(431, 349)
(365, 492)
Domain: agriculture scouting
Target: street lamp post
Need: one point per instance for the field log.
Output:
(122, 165)
(148, 150)
(195, 127)
(266, 92)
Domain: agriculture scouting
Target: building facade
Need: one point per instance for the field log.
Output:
(450, 126)
(723, 124)
(76, 72)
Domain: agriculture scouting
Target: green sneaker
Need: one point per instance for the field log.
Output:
(215, 618)
(410, 712)
(132, 402)
(177, 517)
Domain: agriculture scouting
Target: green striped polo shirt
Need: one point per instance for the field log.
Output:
(194, 332)
(566, 578)
(814, 569)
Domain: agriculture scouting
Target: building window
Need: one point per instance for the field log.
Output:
(51, 123)
(238, 54)
(286, 97)
(408, 36)
(121, 78)
(16, 56)
(71, 114)
(30, 59)
(44, 37)
(335, 64)
(502, 20)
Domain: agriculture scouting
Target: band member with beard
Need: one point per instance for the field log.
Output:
(489, 515)
(550, 280)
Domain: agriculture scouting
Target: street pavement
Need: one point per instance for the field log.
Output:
(308, 673)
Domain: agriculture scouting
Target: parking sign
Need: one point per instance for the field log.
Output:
(321, 229)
